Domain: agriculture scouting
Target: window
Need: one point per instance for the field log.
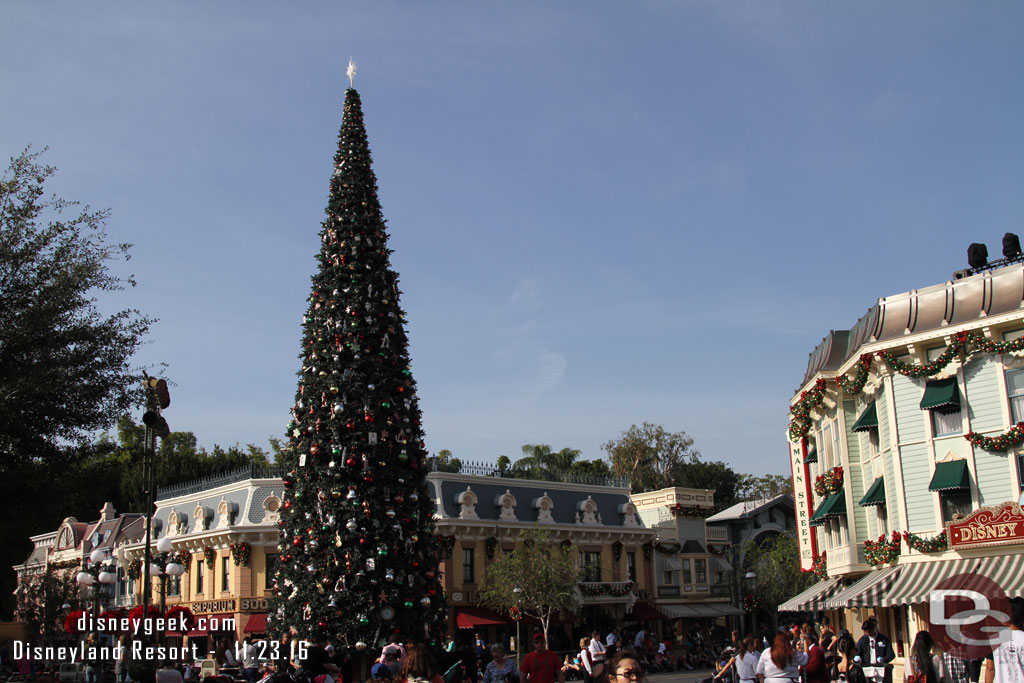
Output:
(631, 566)
(687, 576)
(225, 563)
(701, 570)
(946, 423)
(955, 502)
(872, 442)
(826, 459)
(174, 585)
(883, 519)
(668, 578)
(268, 579)
(1015, 390)
(467, 565)
(200, 566)
(591, 566)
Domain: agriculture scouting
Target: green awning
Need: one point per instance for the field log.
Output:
(867, 420)
(942, 395)
(833, 506)
(875, 494)
(812, 456)
(950, 476)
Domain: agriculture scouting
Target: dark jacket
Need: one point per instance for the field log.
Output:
(883, 649)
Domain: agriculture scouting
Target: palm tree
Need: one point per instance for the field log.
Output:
(540, 462)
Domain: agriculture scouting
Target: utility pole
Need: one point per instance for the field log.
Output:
(157, 398)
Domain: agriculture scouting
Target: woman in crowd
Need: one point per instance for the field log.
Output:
(781, 663)
(923, 664)
(745, 660)
(500, 669)
(585, 659)
(624, 667)
(846, 668)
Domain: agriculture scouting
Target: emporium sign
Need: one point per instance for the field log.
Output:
(1002, 525)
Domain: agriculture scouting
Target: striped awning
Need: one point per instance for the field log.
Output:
(866, 591)
(814, 597)
(918, 579)
(678, 611)
(672, 565)
(1007, 571)
(723, 564)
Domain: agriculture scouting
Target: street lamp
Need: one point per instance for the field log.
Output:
(749, 579)
(165, 564)
(519, 641)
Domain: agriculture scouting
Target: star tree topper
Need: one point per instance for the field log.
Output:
(351, 72)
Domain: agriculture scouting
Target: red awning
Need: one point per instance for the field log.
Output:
(471, 617)
(644, 612)
(257, 623)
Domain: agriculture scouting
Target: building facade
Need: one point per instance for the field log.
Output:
(905, 445)
(693, 576)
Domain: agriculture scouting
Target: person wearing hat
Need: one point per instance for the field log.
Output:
(876, 654)
(542, 665)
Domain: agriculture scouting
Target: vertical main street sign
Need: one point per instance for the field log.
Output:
(803, 502)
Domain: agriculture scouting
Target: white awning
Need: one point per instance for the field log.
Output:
(866, 591)
(813, 598)
(723, 564)
(672, 564)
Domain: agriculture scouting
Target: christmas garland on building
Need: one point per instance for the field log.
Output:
(490, 545)
(820, 567)
(186, 558)
(1012, 437)
(970, 342)
(882, 551)
(240, 553)
(751, 603)
(617, 550)
(210, 555)
(447, 544)
(616, 590)
(515, 613)
(134, 570)
(667, 548)
(829, 482)
(66, 564)
(680, 510)
(648, 549)
(936, 544)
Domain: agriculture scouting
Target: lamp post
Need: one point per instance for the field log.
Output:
(165, 564)
(748, 580)
(95, 573)
(519, 617)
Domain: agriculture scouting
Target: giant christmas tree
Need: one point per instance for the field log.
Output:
(358, 556)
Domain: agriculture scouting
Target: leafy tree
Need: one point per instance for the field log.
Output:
(445, 462)
(543, 571)
(40, 602)
(64, 367)
(504, 465)
(752, 487)
(591, 468)
(775, 560)
(650, 456)
(714, 475)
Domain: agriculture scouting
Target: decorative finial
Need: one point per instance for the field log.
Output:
(351, 73)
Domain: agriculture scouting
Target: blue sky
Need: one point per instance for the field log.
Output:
(602, 212)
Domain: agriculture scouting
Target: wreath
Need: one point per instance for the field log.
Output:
(186, 558)
(210, 555)
(648, 549)
(751, 603)
(491, 546)
(240, 553)
(134, 569)
(447, 544)
(829, 482)
(820, 567)
(617, 550)
(882, 551)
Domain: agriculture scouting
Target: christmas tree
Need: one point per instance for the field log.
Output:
(358, 558)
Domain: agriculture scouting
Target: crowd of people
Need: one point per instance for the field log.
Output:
(792, 653)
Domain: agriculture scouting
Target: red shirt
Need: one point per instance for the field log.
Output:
(541, 667)
(815, 668)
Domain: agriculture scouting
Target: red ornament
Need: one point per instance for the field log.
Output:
(297, 541)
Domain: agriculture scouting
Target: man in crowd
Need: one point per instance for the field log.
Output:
(1006, 663)
(876, 653)
(542, 665)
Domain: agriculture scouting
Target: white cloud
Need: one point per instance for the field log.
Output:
(527, 291)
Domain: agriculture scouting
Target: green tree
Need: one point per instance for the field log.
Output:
(357, 508)
(504, 465)
(65, 367)
(540, 462)
(753, 487)
(444, 461)
(714, 475)
(591, 468)
(775, 560)
(539, 577)
(650, 456)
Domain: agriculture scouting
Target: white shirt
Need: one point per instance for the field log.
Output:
(640, 638)
(746, 666)
(1009, 658)
(596, 650)
(871, 649)
(766, 666)
(611, 639)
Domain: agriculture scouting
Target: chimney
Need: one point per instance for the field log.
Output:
(108, 512)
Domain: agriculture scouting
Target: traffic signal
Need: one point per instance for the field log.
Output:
(159, 389)
(157, 423)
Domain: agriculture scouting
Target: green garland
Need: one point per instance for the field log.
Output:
(829, 482)
(935, 544)
(820, 567)
(617, 550)
(667, 548)
(680, 510)
(648, 549)
(240, 553)
(970, 342)
(447, 544)
(134, 569)
(1014, 436)
(491, 545)
(882, 551)
(210, 555)
(186, 559)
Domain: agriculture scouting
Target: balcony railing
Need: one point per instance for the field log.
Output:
(717, 534)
